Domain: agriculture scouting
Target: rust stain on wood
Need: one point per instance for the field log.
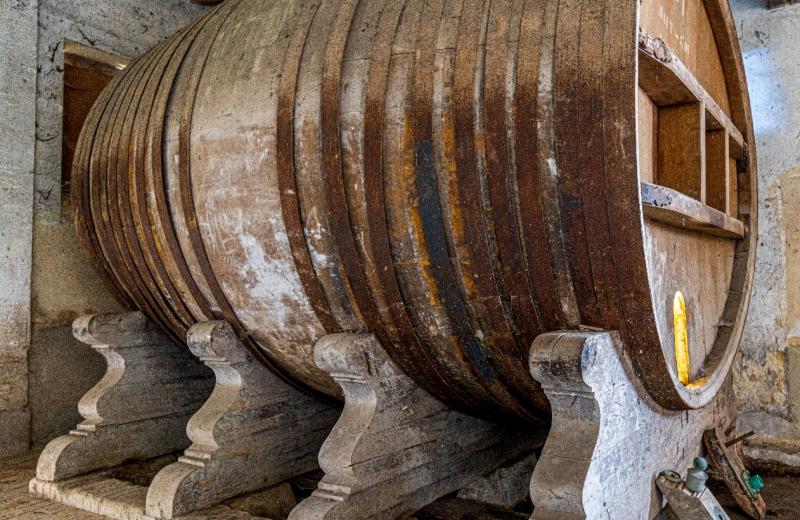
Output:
(455, 179)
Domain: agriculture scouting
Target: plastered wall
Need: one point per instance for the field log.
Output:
(767, 372)
(17, 143)
(45, 280)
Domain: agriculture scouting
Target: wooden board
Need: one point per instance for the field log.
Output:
(699, 265)
(717, 169)
(726, 461)
(648, 137)
(681, 138)
(681, 73)
(684, 26)
(676, 209)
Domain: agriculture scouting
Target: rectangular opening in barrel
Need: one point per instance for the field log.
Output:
(688, 147)
(718, 178)
(722, 151)
(648, 135)
(681, 136)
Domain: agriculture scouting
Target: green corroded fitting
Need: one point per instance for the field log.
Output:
(754, 482)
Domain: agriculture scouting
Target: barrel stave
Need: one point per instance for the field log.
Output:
(453, 176)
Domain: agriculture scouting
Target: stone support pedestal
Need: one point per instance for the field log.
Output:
(140, 407)
(609, 441)
(395, 448)
(254, 431)
(243, 429)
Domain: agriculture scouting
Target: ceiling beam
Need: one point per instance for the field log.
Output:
(772, 4)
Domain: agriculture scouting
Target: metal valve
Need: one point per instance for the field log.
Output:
(688, 498)
(696, 476)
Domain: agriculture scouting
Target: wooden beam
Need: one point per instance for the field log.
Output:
(676, 209)
(772, 4)
(668, 82)
(83, 56)
(717, 169)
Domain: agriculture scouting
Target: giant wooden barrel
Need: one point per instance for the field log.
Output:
(454, 176)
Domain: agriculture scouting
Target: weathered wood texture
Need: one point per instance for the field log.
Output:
(140, 407)
(681, 133)
(669, 82)
(683, 505)
(395, 448)
(727, 461)
(671, 207)
(454, 177)
(87, 71)
(607, 429)
(688, 55)
(253, 432)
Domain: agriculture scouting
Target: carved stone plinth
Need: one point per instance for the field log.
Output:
(254, 431)
(609, 441)
(395, 448)
(140, 407)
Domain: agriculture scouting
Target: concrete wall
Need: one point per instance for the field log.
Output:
(18, 109)
(45, 280)
(767, 373)
(63, 285)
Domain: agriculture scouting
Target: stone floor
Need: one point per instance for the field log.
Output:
(15, 501)
(782, 494)
(125, 487)
(123, 490)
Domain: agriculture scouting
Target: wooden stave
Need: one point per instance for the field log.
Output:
(623, 313)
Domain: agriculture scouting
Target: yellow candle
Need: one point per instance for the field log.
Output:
(681, 339)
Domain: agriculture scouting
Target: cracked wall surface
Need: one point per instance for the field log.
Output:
(127, 27)
(63, 284)
(767, 371)
(46, 282)
(17, 141)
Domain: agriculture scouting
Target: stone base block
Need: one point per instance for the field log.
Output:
(253, 432)
(609, 441)
(140, 407)
(120, 493)
(395, 448)
(507, 487)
